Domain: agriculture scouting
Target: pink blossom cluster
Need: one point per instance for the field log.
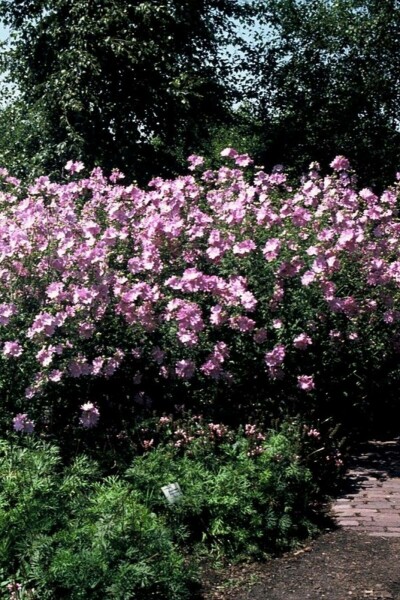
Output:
(256, 438)
(217, 430)
(90, 415)
(14, 589)
(188, 273)
(22, 423)
(195, 429)
(314, 433)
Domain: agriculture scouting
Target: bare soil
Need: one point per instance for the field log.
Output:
(339, 565)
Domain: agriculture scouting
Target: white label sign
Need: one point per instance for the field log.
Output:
(172, 492)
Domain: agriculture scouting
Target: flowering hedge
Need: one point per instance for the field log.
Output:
(224, 289)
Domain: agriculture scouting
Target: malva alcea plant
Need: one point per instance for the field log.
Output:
(228, 281)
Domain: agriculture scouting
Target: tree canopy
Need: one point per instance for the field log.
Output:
(140, 85)
(121, 83)
(329, 81)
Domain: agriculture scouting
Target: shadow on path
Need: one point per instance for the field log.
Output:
(376, 460)
(370, 501)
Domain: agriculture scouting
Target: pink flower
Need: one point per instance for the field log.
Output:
(43, 323)
(113, 363)
(313, 433)
(301, 216)
(218, 315)
(163, 372)
(14, 589)
(276, 356)
(245, 247)
(13, 349)
(147, 444)
(271, 249)
(340, 163)
(353, 336)
(335, 335)
(97, 365)
(195, 161)
(305, 382)
(86, 330)
(116, 175)
(242, 323)
(229, 153)
(45, 355)
(217, 430)
(302, 341)
(347, 239)
(250, 430)
(256, 451)
(158, 355)
(308, 277)
(187, 338)
(185, 369)
(212, 368)
(220, 352)
(243, 160)
(6, 312)
(74, 167)
(22, 423)
(90, 415)
(54, 290)
(248, 300)
(55, 375)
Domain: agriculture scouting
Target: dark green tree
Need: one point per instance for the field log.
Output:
(120, 83)
(328, 74)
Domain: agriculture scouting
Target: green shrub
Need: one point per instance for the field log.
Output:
(69, 531)
(69, 536)
(238, 502)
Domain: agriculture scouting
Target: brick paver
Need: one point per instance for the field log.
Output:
(372, 505)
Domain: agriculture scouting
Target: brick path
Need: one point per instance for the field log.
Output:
(371, 504)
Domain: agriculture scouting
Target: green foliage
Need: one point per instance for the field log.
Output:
(244, 132)
(23, 136)
(234, 501)
(68, 535)
(327, 84)
(133, 85)
(140, 85)
(68, 531)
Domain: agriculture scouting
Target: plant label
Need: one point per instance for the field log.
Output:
(172, 492)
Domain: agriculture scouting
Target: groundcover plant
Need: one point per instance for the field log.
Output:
(69, 529)
(225, 290)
